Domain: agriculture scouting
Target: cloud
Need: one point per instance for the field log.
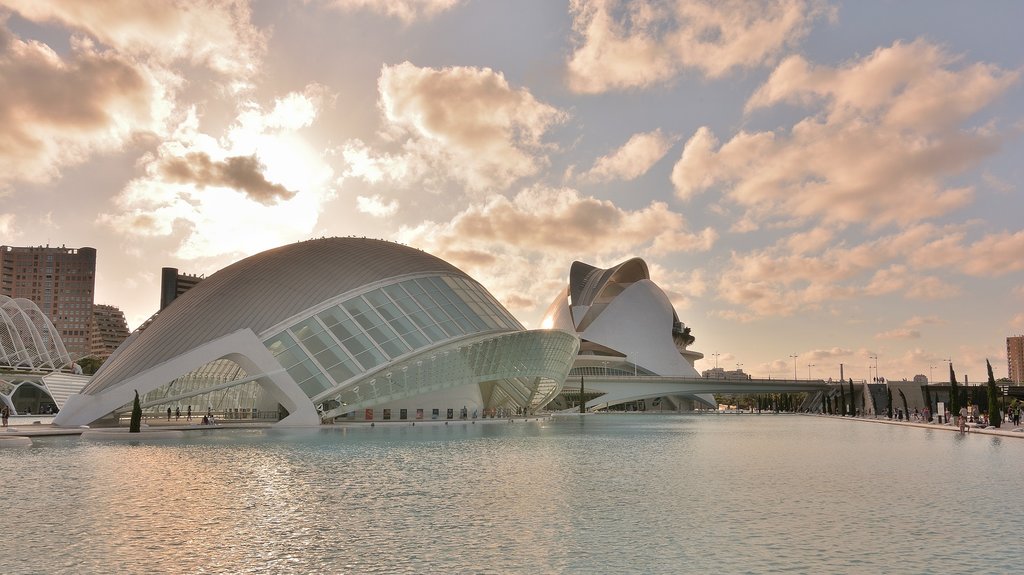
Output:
(899, 333)
(56, 111)
(405, 10)
(918, 321)
(541, 230)
(632, 160)
(7, 225)
(1017, 322)
(459, 124)
(622, 45)
(217, 34)
(243, 173)
(375, 206)
(888, 129)
(259, 186)
(792, 276)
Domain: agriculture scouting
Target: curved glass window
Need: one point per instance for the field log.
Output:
(368, 330)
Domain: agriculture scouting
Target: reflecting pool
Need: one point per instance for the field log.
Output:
(594, 494)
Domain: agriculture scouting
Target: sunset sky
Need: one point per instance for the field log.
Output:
(832, 180)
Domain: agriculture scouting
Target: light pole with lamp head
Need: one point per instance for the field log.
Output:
(794, 356)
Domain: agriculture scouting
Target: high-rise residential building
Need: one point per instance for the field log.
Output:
(1015, 358)
(60, 281)
(173, 284)
(109, 330)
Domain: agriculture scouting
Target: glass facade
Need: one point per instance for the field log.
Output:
(620, 370)
(366, 331)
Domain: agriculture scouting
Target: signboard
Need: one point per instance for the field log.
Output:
(387, 414)
(419, 413)
(369, 415)
(451, 413)
(403, 414)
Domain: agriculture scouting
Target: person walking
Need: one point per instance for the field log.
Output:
(168, 413)
(189, 417)
(5, 413)
(177, 413)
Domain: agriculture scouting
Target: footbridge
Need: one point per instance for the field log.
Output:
(617, 389)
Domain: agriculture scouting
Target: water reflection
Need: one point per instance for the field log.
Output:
(576, 495)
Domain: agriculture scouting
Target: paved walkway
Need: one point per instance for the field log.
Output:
(1007, 430)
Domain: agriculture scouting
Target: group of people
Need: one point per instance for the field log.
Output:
(177, 413)
(207, 419)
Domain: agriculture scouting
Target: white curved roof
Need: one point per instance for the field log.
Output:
(261, 291)
(28, 338)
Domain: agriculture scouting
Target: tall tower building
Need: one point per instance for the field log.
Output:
(109, 330)
(173, 284)
(61, 281)
(1015, 358)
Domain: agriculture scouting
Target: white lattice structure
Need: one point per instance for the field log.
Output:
(28, 339)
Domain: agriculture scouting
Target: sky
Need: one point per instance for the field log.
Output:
(836, 181)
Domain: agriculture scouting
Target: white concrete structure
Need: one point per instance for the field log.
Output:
(28, 339)
(328, 328)
(629, 332)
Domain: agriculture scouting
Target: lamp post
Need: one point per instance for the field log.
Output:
(716, 354)
(931, 373)
(874, 357)
(794, 356)
(809, 366)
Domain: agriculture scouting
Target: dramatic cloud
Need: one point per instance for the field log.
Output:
(56, 111)
(214, 33)
(622, 45)
(243, 173)
(633, 159)
(544, 230)
(462, 124)
(405, 10)
(788, 277)
(890, 129)
(260, 186)
(376, 206)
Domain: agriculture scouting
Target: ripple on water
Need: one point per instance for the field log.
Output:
(616, 494)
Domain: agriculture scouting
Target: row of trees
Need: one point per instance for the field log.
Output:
(958, 397)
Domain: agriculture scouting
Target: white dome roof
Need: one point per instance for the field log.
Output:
(261, 291)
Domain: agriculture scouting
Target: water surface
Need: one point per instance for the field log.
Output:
(598, 494)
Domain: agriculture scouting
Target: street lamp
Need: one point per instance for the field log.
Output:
(809, 366)
(794, 356)
(716, 354)
(874, 357)
(931, 373)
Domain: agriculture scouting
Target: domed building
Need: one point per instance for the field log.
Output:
(633, 347)
(332, 328)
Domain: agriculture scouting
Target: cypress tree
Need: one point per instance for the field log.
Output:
(954, 393)
(906, 409)
(994, 417)
(583, 403)
(135, 424)
(842, 400)
(928, 402)
(853, 410)
(888, 402)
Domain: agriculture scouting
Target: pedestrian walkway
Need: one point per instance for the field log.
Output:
(1007, 430)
